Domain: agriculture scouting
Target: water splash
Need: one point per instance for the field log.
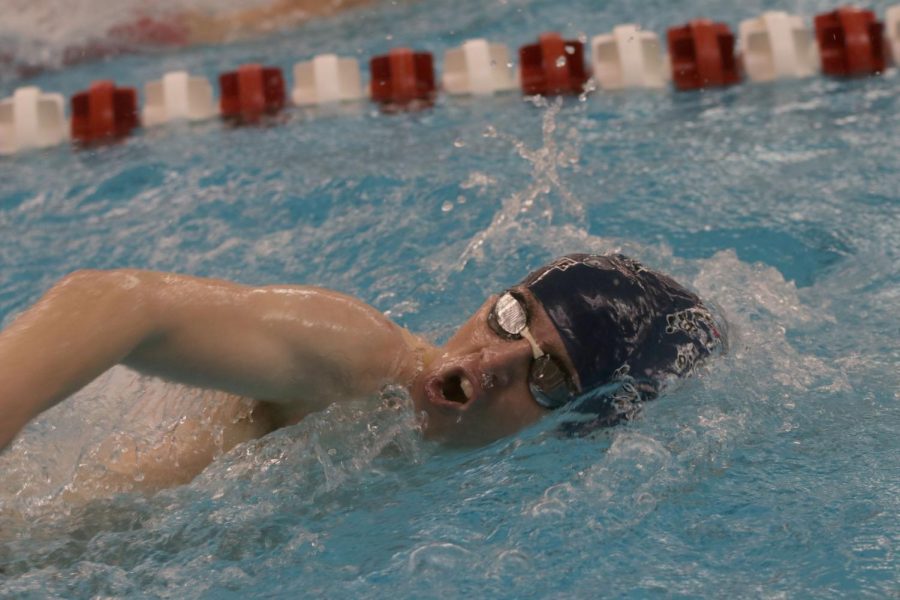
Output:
(534, 203)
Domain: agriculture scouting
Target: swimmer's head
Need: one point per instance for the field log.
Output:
(559, 338)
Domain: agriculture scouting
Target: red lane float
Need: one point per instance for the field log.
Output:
(103, 111)
(251, 92)
(552, 66)
(702, 55)
(851, 42)
(402, 77)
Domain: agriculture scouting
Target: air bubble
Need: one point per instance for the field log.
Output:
(446, 206)
(561, 62)
(487, 381)
(459, 143)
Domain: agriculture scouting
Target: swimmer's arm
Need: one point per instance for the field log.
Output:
(206, 28)
(270, 343)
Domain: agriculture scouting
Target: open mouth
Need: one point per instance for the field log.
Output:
(453, 389)
(456, 388)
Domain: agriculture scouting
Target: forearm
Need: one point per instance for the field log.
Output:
(85, 324)
(207, 28)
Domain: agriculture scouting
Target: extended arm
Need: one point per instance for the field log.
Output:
(277, 15)
(281, 344)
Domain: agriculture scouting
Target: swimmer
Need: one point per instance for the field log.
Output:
(191, 26)
(589, 334)
(186, 27)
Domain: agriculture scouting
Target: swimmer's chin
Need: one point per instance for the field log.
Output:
(429, 422)
(452, 432)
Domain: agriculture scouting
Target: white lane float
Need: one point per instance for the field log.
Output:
(177, 96)
(478, 68)
(325, 79)
(629, 57)
(892, 31)
(31, 119)
(777, 45)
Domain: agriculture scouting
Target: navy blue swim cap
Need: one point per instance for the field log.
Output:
(622, 321)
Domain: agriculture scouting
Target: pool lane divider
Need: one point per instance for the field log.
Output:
(478, 68)
(851, 42)
(628, 57)
(777, 45)
(31, 118)
(402, 78)
(325, 79)
(103, 112)
(892, 25)
(702, 55)
(846, 42)
(552, 66)
(250, 93)
(177, 96)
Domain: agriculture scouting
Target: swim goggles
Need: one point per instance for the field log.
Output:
(547, 379)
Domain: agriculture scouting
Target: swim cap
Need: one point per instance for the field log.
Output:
(622, 321)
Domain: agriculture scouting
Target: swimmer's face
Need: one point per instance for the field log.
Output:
(477, 390)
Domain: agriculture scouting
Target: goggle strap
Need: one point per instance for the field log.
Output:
(535, 348)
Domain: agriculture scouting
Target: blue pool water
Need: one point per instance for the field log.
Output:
(776, 473)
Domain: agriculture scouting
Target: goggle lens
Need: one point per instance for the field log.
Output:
(510, 315)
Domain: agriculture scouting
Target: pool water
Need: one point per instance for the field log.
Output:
(774, 473)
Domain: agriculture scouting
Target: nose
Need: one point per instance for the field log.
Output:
(506, 362)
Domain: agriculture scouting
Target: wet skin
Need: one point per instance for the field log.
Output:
(286, 350)
(475, 389)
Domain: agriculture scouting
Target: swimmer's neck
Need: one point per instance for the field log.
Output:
(421, 356)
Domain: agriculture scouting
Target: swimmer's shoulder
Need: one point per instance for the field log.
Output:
(376, 349)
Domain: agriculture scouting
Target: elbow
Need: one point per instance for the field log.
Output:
(78, 278)
(116, 291)
(97, 280)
